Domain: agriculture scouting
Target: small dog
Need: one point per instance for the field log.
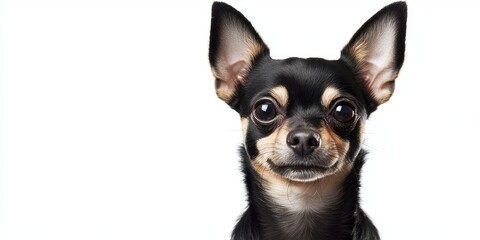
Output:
(303, 122)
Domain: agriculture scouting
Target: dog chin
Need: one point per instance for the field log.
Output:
(303, 173)
(303, 176)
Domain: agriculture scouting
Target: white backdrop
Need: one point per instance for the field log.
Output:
(110, 128)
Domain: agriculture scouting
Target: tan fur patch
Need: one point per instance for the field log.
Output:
(333, 143)
(385, 88)
(306, 196)
(244, 128)
(275, 149)
(361, 126)
(266, 146)
(271, 147)
(231, 76)
(224, 93)
(359, 50)
(329, 95)
(298, 196)
(280, 94)
(274, 145)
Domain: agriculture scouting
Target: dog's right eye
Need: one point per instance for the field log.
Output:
(265, 112)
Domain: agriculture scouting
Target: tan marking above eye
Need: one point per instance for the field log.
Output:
(280, 94)
(329, 95)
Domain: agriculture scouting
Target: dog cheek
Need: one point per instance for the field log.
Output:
(356, 140)
(282, 151)
(250, 136)
(266, 147)
(258, 142)
(244, 128)
(334, 143)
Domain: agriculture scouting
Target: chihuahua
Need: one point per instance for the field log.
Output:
(303, 123)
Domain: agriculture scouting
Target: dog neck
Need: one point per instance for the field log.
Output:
(323, 209)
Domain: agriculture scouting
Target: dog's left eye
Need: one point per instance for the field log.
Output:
(342, 116)
(265, 112)
(343, 112)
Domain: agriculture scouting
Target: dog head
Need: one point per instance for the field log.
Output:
(303, 119)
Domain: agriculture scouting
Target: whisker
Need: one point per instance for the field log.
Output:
(372, 148)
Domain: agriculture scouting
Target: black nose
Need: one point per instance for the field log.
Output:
(303, 141)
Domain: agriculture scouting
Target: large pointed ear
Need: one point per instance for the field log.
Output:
(234, 46)
(376, 51)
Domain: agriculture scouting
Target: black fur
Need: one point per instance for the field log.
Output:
(346, 221)
(305, 80)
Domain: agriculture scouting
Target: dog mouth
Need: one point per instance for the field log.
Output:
(304, 172)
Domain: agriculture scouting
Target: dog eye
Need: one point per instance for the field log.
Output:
(265, 111)
(343, 112)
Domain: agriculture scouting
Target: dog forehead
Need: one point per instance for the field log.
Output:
(304, 82)
(308, 80)
(310, 72)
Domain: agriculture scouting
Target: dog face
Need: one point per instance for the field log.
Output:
(303, 119)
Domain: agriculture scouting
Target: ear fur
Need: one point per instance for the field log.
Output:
(234, 46)
(376, 51)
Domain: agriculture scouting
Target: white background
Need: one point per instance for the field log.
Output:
(110, 128)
